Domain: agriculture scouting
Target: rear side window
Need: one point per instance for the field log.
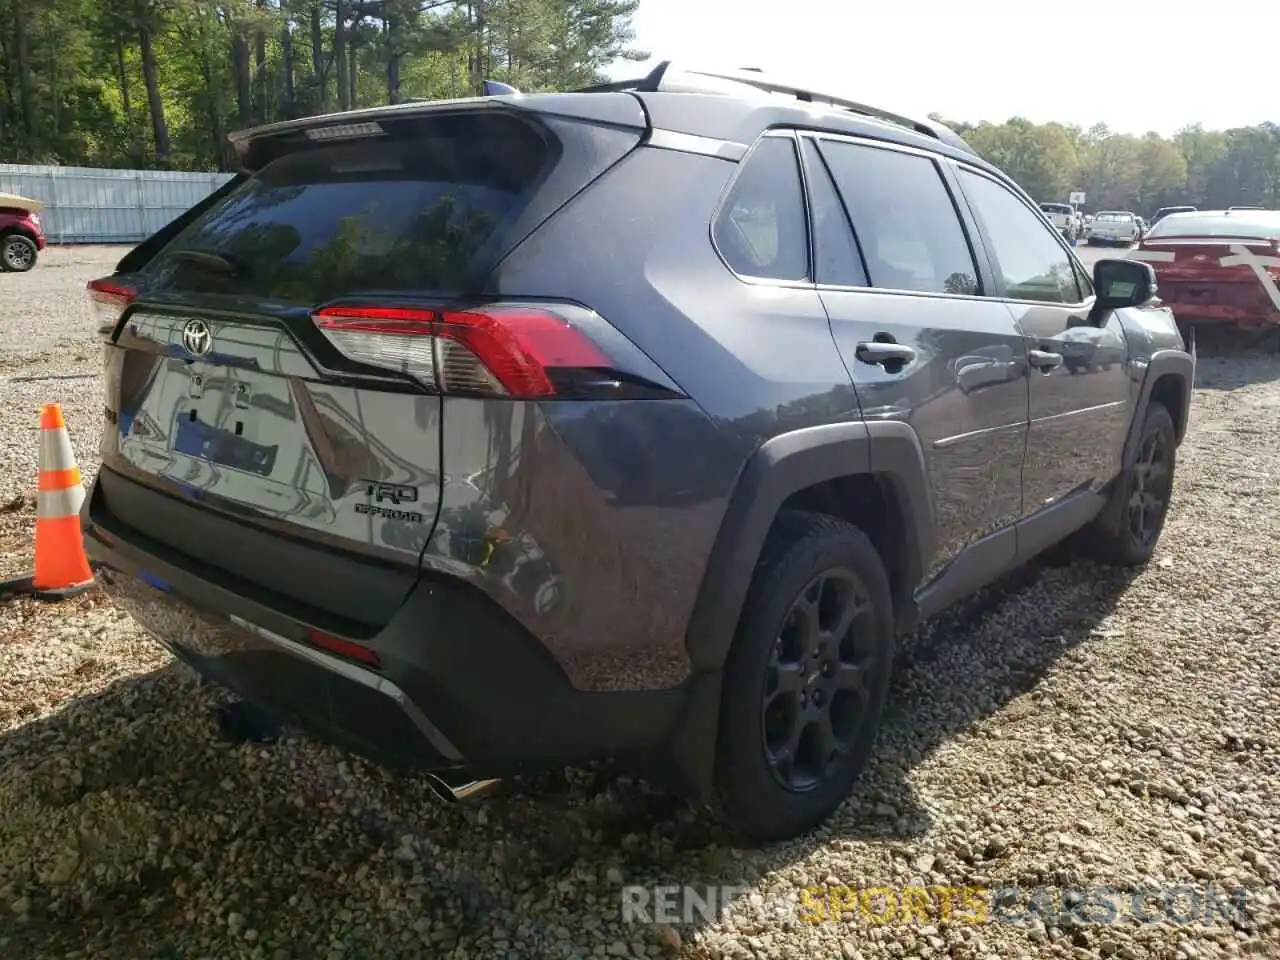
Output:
(761, 230)
(1033, 264)
(836, 257)
(904, 219)
(388, 214)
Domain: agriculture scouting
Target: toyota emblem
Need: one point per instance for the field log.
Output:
(197, 338)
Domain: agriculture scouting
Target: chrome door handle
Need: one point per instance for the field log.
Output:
(1043, 359)
(880, 354)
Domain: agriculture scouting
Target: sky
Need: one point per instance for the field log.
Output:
(1134, 65)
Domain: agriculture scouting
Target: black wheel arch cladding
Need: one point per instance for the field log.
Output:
(1164, 367)
(781, 467)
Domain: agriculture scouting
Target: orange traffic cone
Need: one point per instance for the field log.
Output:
(62, 569)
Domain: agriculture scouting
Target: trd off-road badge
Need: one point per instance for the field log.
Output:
(395, 494)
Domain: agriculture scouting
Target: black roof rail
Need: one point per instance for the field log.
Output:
(667, 76)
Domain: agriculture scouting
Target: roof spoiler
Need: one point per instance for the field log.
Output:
(667, 76)
(488, 88)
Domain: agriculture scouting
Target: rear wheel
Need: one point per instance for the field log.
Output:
(17, 253)
(806, 679)
(1127, 531)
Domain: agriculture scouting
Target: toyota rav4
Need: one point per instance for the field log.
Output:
(634, 423)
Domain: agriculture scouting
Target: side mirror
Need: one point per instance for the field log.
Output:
(1123, 283)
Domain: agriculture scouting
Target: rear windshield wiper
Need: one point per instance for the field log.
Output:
(209, 260)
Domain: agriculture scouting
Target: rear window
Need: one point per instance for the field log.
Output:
(1114, 217)
(1265, 225)
(384, 214)
(1055, 208)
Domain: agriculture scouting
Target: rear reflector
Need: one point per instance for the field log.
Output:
(343, 648)
(107, 301)
(506, 350)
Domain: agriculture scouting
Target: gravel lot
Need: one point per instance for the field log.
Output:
(1073, 727)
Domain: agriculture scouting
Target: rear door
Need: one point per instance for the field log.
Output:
(896, 270)
(283, 360)
(1081, 391)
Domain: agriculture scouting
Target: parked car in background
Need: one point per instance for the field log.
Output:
(21, 232)
(455, 499)
(1217, 266)
(1165, 211)
(1114, 228)
(1063, 216)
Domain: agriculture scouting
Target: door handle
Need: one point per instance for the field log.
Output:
(1043, 359)
(881, 354)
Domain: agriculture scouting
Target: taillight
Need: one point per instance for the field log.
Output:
(107, 301)
(509, 350)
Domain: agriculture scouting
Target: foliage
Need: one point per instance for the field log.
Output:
(1116, 171)
(159, 83)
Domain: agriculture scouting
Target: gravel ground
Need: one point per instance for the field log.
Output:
(1074, 728)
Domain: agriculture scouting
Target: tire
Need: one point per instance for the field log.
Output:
(822, 560)
(1120, 536)
(17, 253)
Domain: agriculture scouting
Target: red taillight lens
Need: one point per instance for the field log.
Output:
(107, 301)
(503, 350)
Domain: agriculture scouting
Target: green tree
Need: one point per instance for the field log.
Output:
(161, 82)
(1162, 173)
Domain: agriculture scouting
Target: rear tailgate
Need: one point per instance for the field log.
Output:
(226, 394)
(1112, 228)
(1217, 278)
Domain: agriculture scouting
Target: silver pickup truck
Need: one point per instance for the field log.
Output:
(1064, 217)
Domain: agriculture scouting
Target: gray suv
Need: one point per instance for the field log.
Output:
(635, 423)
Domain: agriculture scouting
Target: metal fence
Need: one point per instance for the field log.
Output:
(88, 205)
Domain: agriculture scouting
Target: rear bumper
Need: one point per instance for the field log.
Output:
(1218, 314)
(460, 685)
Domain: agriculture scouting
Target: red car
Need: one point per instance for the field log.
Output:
(1217, 266)
(21, 233)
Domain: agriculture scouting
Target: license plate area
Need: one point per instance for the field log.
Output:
(217, 421)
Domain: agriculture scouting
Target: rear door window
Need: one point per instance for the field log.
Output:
(386, 214)
(761, 230)
(904, 219)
